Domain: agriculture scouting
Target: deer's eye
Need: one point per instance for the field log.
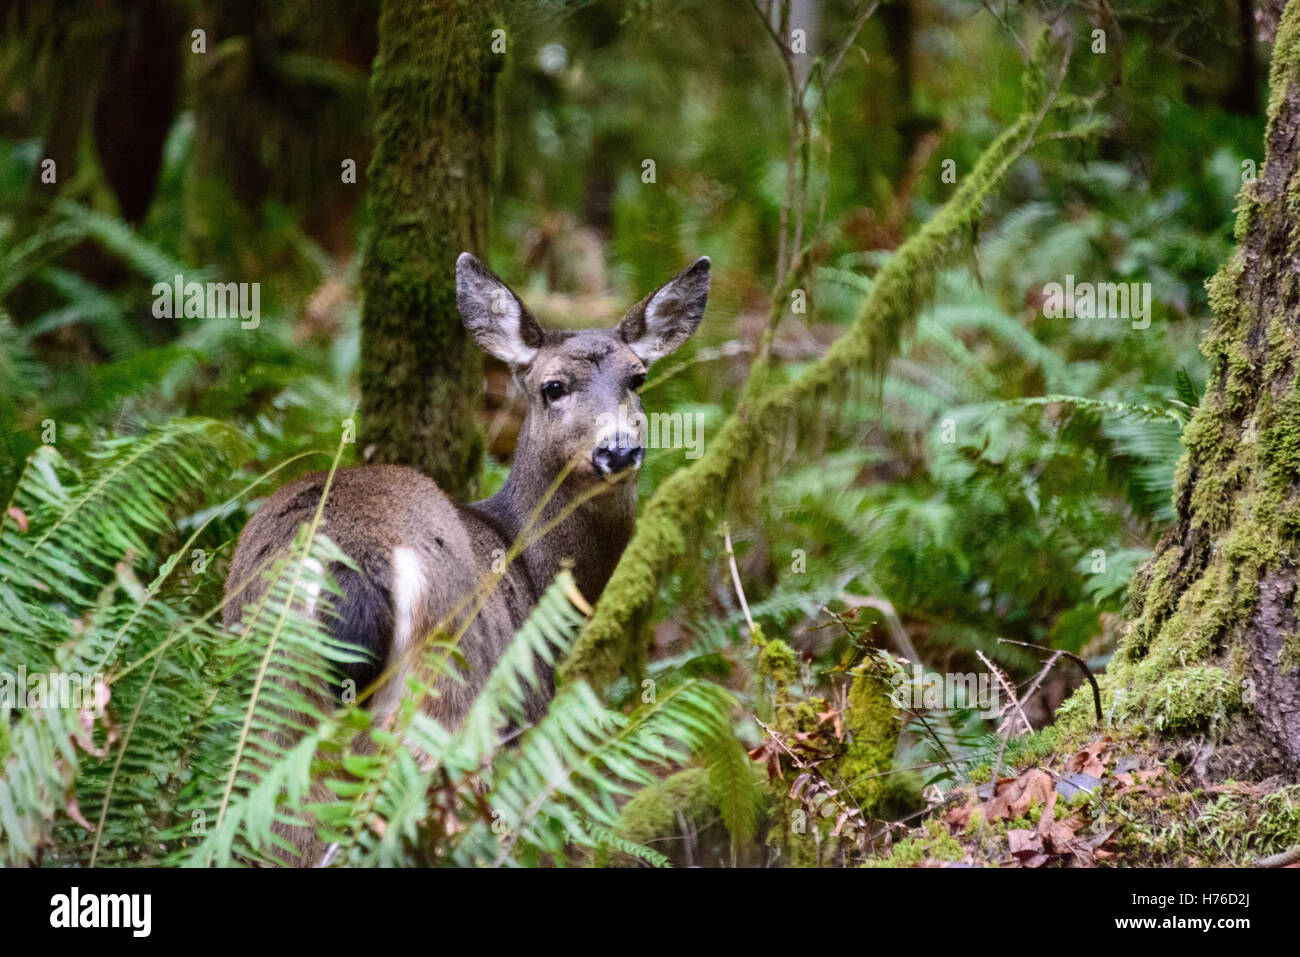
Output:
(636, 382)
(554, 390)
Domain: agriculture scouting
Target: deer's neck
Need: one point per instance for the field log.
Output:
(589, 532)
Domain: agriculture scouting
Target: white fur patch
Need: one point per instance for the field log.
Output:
(408, 595)
(619, 432)
(507, 343)
(409, 586)
(312, 588)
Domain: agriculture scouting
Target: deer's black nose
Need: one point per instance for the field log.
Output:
(610, 461)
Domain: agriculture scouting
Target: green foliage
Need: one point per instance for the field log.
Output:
(202, 742)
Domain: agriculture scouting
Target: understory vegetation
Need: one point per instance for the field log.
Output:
(976, 505)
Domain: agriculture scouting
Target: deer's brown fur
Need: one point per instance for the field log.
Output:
(419, 555)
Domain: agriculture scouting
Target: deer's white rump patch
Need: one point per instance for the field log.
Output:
(408, 592)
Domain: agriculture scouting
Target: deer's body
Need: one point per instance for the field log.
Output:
(420, 556)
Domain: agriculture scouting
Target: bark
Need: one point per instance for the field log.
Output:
(1212, 642)
(434, 90)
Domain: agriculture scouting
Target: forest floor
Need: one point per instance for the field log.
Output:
(1112, 801)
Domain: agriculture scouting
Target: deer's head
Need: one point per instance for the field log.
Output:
(582, 386)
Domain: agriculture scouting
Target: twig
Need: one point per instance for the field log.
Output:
(1006, 686)
(1006, 733)
(1096, 690)
(735, 580)
(1024, 50)
(885, 607)
(832, 793)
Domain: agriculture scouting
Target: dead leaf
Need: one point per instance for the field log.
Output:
(798, 785)
(19, 516)
(769, 752)
(1027, 848)
(836, 719)
(1012, 800)
(1023, 841)
(1088, 760)
(74, 812)
(958, 818)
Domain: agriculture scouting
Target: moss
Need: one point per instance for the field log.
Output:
(1288, 658)
(777, 662)
(1022, 751)
(1189, 697)
(1284, 69)
(871, 727)
(656, 811)
(434, 95)
(1232, 829)
(933, 844)
(1279, 441)
(1243, 827)
(1247, 208)
(1173, 667)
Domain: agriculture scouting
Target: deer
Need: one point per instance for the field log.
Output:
(418, 556)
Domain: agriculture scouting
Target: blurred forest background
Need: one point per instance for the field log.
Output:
(943, 504)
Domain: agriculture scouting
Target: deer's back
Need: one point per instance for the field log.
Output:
(419, 557)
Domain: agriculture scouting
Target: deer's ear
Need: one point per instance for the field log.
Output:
(666, 318)
(494, 316)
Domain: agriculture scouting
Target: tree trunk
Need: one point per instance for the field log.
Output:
(434, 90)
(1213, 642)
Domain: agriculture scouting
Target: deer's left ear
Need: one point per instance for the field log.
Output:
(666, 318)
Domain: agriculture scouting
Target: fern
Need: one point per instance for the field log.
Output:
(211, 740)
(554, 790)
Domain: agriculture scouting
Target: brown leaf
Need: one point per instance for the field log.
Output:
(770, 754)
(1023, 842)
(1013, 800)
(1088, 760)
(1048, 817)
(958, 818)
(833, 716)
(1027, 847)
(74, 812)
(798, 785)
(1057, 837)
(19, 516)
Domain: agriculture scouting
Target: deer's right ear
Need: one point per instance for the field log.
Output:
(494, 316)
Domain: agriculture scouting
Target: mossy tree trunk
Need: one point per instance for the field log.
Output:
(1212, 643)
(434, 89)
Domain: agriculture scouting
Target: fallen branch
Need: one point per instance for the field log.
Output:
(1096, 691)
